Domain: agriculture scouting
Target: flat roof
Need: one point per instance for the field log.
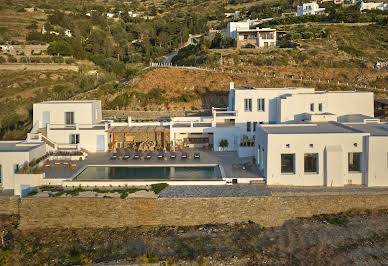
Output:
(18, 146)
(309, 128)
(375, 129)
(284, 88)
(64, 102)
(127, 129)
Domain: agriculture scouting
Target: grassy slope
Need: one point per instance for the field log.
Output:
(14, 24)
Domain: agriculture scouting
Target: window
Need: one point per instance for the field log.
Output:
(311, 107)
(320, 107)
(248, 126)
(69, 118)
(74, 139)
(260, 104)
(254, 126)
(354, 161)
(311, 162)
(248, 105)
(287, 163)
(15, 168)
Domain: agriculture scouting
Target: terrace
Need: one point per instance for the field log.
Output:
(233, 167)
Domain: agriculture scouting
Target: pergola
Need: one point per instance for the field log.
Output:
(138, 134)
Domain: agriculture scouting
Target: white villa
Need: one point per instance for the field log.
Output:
(310, 9)
(298, 136)
(257, 37)
(372, 5)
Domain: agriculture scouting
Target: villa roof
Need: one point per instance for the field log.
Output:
(18, 146)
(125, 129)
(309, 128)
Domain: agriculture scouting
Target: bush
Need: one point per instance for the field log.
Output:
(157, 188)
(2, 60)
(11, 59)
(69, 60)
(58, 59)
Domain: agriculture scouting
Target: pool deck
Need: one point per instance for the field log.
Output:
(225, 159)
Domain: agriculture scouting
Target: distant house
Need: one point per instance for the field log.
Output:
(232, 28)
(110, 15)
(68, 33)
(89, 14)
(234, 14)
(256, 38)
(6, 48)
(371, 5)
(355, 1)
(131, 14)
(310, 9)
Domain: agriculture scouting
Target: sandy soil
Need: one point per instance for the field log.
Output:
(356, 237)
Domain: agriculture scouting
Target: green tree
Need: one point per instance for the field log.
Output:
(223, 144)
(61, 48)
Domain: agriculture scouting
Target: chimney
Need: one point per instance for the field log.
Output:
(231, 85)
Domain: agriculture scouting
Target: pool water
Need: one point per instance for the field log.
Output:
(150, 172)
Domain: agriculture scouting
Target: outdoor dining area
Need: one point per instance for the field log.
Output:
(139, 138)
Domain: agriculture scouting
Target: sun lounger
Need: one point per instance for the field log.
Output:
(114, 156)
(197, 155)
(160, 156)
(126, 156)
(65, 163)
(136, 156)
(148, 156)
(57, 163)
(173, 156)
(184, 155)
(73, 165)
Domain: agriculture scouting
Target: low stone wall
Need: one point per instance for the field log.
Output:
(152, 114)
(38, 67)
(267, 211)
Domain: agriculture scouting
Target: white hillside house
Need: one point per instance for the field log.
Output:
(371, 6)
(310, 9)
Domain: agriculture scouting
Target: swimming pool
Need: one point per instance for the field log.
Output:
(149, 172)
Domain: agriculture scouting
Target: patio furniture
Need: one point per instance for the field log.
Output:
(47, 164)
(197, 155)
(57, 163)
(148, 156)
(136, 156)
(73, 165)
(160, 156)
(65, 163)
(184, 156)
(126, 156)
(114, 156)
(173, 156)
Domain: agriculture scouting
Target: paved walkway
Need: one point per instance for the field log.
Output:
(257, 190)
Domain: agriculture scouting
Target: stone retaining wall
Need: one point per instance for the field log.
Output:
(152, 114)
(9, 206)
(103, 212)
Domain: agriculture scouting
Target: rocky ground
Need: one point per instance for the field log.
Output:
(355, 237)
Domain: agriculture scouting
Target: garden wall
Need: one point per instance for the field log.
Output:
(103, 212)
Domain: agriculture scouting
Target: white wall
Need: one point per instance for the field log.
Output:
(88, 138)
(378, 161)
(275, 144)
(8, 160)
(294, 107)
(233, 26)
(232, 135)
(85, 112)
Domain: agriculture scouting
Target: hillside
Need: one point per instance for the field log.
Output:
(174, 88)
